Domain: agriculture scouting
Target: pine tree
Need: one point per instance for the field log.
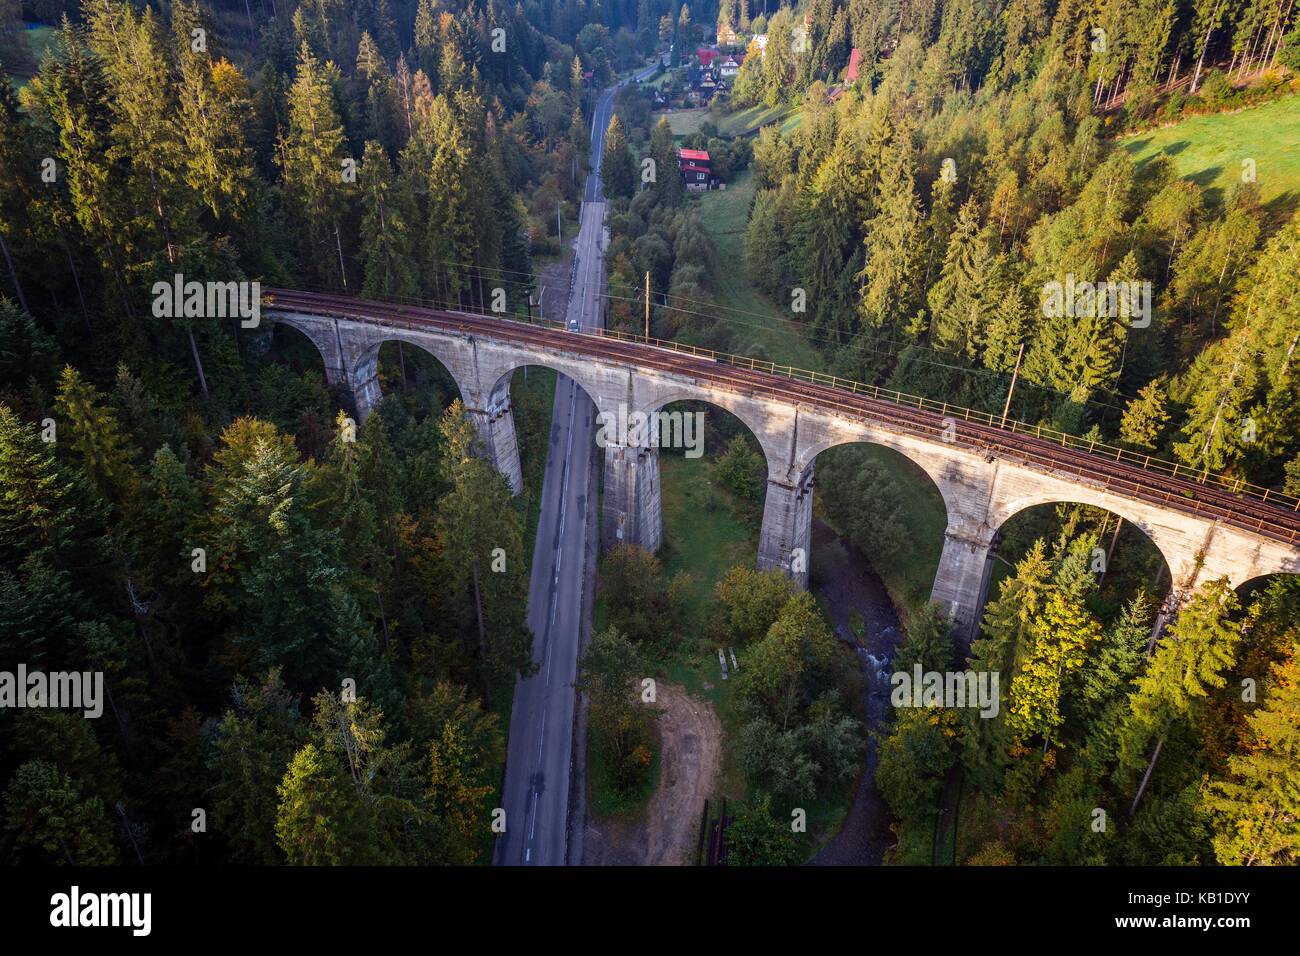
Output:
(253, 743)
(1189, 662)
(837, 202)
(95, 438)
(957, 300)
(385, 229)
(55, 821)
(16, 196)
(894, 241)
(317, 822)
(145, 131)
(213, 108)
(69, 95)
(1145, 417)
(1256, 805)
(1225, 382)
(1059, 644)
(669, 188)
(37, 499)
(311, 157)
(457, 785)
(451, 230)
(928, 642)
(616, 170)
(474, 518)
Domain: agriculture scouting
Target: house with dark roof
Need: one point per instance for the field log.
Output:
(729, 66)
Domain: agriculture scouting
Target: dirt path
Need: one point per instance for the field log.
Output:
(688, 769)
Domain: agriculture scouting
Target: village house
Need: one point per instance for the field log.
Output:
(697, 171)
(850, 76)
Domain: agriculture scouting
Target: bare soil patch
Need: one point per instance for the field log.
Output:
(666, 833)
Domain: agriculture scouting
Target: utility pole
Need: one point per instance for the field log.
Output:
(338, 243)
(647, 306)
(1006, 409)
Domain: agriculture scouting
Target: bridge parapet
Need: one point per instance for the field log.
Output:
(980, 493)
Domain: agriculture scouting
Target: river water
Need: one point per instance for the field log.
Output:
(854, 593)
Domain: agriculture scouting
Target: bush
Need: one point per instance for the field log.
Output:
(741, 470)
(1215, 88)
(759, 839)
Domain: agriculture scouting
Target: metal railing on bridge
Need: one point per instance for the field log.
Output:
(1145, 462)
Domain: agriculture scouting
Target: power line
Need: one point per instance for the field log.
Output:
(803, 327)
(862, 347)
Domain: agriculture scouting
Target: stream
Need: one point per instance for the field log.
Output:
(846, 581)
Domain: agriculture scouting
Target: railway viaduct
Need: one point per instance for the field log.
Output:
(985, 475)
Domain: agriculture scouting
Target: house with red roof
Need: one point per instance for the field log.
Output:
(696, 169)
(855, 60)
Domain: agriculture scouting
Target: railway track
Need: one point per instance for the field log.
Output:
(1280, 522)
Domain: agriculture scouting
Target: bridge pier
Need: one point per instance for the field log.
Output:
(633, 508)
(366, 394)
(785, 540)
(1200, 536)
(961, 581)
(496, 431)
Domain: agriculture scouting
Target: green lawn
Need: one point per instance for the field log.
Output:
(778, 339)
(703, 535)
(1210, 149)
(740, 123)
(685, 122)
(746, 121)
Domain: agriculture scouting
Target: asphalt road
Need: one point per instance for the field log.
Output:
(540, 749)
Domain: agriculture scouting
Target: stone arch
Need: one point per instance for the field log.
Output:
(286, 338)
(363, 367)
(938, 490)
(320, 333)
(940, 471)
(1172, 580)
(1259, 582)
(1005, 511)
(632, 436)
(785, 535)
(500, 374)
(771, 433)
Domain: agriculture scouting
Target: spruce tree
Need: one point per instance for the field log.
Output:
(616, 170)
